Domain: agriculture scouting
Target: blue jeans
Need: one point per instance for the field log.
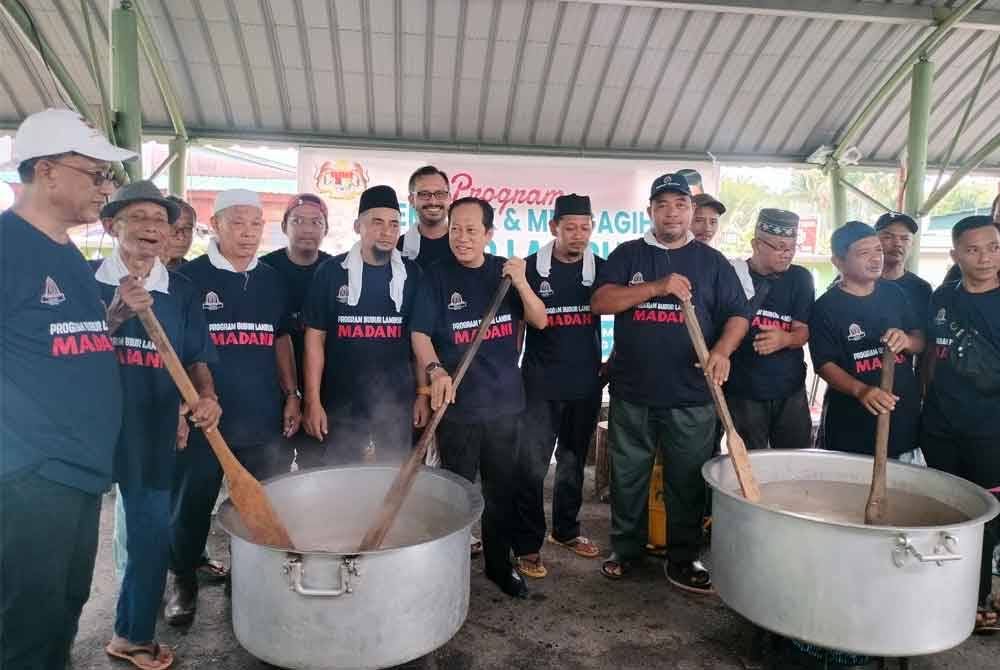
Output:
(147, 515)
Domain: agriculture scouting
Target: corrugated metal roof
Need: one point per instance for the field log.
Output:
(773, 79)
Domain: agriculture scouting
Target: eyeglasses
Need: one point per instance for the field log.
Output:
(317, 222)
(100, 178)
(775, 248)
(427, 195)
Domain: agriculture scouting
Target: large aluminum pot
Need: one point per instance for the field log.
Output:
(873, 590)
(343, 609)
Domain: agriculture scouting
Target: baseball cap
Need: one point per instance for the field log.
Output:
(59, 131)
(304, 199)
(890, 218)
(848, 234)
(705, 200)
(139, 191)
(669, 182)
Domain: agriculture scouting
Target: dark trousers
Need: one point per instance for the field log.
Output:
(49, 534)
(147, 517)
(774, 424)
(569, 427)
(685, 437)
(197, 478)
(390, 433)
(489, 447)
(978, 460)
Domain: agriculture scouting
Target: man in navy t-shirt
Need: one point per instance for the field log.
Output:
(305, 224)
(560, 368)
(246, 306)
(480, 431)
(60, 388)
(140, 220)
(659, 399)
(767, 385)
(895, 232)
(427, 242)
(961, 434)
(359, 384)
(850, 326)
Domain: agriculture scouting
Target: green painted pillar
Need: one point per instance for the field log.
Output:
(178, 169)
(125, 83)
(838, 197)
(916, 148)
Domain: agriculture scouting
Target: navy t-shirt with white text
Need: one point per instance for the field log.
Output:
(60, 392)
(245, 312)
(451, 302)
(654, 361)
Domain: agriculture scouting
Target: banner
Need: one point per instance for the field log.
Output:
(522, 190)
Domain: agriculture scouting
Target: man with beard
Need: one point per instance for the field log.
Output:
(561, 379)
(895, 232)
(660, 401)
(427, 242)
(766, 388)
(305, 224)
(359, 384)
(850, 326)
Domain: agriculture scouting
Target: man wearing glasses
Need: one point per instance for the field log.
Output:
(766, 387)
(427, 242)
(59, 380)
(305, 225)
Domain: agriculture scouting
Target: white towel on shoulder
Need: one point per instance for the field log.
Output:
(354, 263)
(543, 263)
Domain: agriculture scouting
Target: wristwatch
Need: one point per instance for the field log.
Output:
(295, 392)
(431, 367)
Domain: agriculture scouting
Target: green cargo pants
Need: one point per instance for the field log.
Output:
(685, 437)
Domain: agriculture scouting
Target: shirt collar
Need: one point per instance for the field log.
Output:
(113, 268)
(221, 262)
(650, 239)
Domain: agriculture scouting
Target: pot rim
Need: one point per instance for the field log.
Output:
(991, 503)
(475, 511)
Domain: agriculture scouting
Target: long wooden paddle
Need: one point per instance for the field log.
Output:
(248, 495)
(408, 472)
(737, 448)
(878, 504)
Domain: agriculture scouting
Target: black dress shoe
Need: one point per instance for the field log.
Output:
(182, 600)
(510, 583)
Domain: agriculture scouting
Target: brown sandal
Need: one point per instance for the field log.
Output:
(162, 657)
(614, 568)
(530, 565)
(987, 621)
(580, 545)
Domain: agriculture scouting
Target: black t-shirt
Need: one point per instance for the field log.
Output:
(562, 361)
(654, 361)
(451, 302)
(61, 390)
(789, 298)
(954, 406)
(245, 312)
(847, 330)
(297, 279)
(918, 292)
(146, 444)
(368, 366)
(431, 251)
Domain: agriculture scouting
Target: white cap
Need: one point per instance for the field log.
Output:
(234, 197)
(59, 131)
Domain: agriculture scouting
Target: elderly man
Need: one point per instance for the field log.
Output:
(140, 220)
(767, 385)
(480, 433)
(61, 391)
(561, 379)
(181, 234)
(849, 328)
(427, 242)
(895, 232)
(246, 306)
(305, 225)
(359, 377)
(659, 400)
(960, 432)
(705, 222)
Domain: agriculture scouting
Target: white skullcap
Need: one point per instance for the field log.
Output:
(234, 197)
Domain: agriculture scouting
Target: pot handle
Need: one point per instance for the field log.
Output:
(295, 571)
(944, 550)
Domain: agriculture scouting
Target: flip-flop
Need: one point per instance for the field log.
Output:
(986, 628)
(162, 657)
(580, 545)
(476, 546)
(212, 571)
(609, 565)
(532, 568)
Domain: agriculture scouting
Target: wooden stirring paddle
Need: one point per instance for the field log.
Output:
(877, 508)
(737, 448)
(248, 495)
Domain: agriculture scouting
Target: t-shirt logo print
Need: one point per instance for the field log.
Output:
(636, 279)
(941, 317)
(342, 294)
(212, 301)
(456, 303)
(545, 289)
(854, 332)
(51, 295)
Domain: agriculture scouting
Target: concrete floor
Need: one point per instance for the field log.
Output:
(575, 618)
